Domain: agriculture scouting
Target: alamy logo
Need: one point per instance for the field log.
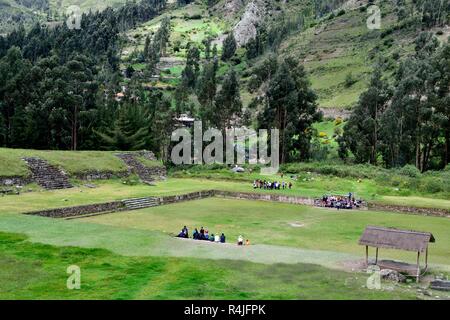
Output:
(246, 143)
(374, 20)
(73, 17)
(74, 280)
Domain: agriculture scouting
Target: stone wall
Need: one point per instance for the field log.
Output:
(186, 197)
(265, 197)
(410, 210)
(236, 195)
(100, 175)
(80, 210)
(119, 205)
(14, 181)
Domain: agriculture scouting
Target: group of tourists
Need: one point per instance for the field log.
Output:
(263, 184)
(203, 234)
(340, 202)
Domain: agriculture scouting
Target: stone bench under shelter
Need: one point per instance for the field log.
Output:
(391, 238)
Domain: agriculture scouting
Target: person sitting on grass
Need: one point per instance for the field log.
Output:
(240, 241)
(196, 234)
(222, 238)
(186, 232)
(202, 233)
(247, 242)
(181, 234)
(211, 237)
(206, 235)
(217, 238)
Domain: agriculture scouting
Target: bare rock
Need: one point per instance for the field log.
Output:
(392, 275)
(245, 29)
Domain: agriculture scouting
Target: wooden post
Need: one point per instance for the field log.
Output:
(376, 256)
(418, 266)
(367, 255)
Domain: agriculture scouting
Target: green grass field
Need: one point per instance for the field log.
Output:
(296, 252)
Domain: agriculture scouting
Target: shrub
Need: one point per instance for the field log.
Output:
(409, 171)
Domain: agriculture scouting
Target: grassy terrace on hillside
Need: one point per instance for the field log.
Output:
(70, 161)
(343, 45)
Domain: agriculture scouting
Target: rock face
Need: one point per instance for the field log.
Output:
(392, 275)
(245, 29)
(46, 175)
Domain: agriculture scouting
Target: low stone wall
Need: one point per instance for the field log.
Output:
(236, 195)
(100, 175)
(186, 197)
(265, 197)
(80, 210)
(15, 181)
(410, 210)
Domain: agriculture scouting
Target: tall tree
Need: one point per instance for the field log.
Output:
(290, 106)
(362, 130)
(228, 105)
(229, 47)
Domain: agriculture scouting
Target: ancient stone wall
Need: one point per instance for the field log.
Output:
(80, 210)
(15, 181)
(410, 210)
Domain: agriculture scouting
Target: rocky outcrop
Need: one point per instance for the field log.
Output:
(245, 29)
(392, 275)
(334, 113)
(46, 175)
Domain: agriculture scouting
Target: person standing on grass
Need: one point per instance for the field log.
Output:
(290, 185)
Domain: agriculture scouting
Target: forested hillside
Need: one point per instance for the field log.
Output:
(122, 80)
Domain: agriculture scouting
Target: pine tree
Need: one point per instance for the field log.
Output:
(229, 47)
(228, 103)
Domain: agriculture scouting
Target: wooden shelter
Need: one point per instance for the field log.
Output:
(391, 238)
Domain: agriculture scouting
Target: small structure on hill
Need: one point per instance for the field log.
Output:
(391, 238)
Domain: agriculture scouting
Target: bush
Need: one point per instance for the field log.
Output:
(410, 171)
(349, 80)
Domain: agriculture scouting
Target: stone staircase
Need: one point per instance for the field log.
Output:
(140, 203)
(135, 166)
(46, 175)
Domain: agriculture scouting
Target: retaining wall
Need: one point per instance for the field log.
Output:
(119, 206)
(80, 210)
(410, 210)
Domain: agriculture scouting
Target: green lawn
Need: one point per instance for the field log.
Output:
(37, 271)
(115, 189)
(297, 252)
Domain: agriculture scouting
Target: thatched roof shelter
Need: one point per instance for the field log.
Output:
(391, 238)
